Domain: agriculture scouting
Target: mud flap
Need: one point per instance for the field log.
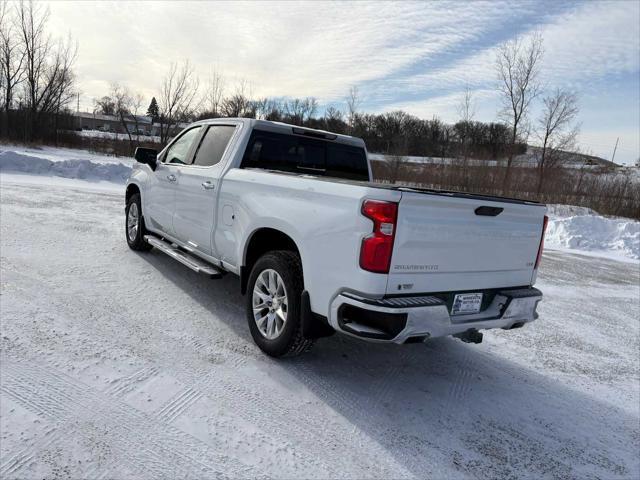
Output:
(313, 325)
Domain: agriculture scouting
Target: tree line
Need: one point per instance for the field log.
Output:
(36, 70)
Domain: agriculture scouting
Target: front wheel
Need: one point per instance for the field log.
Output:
(134, 224)
(274, 304)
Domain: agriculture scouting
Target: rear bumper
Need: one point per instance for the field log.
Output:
(403, 319)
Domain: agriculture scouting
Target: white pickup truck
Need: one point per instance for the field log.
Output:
(321, 248)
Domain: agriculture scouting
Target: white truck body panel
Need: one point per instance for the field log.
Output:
(442, 245)
(322, 218)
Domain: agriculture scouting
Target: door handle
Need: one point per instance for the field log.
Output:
(208, 185)
(171, 178)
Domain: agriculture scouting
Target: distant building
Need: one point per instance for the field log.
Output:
(136, 124)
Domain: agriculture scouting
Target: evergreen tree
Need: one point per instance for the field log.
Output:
(152, 111)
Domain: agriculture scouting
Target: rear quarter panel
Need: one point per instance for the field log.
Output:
(322, 217)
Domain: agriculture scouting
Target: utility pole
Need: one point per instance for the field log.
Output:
(614, 150)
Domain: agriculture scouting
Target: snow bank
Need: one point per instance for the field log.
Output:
(76, 168)
(581, 229)
(59, 154)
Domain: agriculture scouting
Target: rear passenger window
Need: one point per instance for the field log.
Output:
(213, 144)
(293, 153)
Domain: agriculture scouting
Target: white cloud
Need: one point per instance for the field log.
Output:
(286, 48)
(592, 41)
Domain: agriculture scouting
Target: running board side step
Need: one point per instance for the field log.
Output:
(183, 257)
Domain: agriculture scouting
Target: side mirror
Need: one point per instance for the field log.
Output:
(147, 156)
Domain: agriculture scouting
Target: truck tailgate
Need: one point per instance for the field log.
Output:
(442, 244)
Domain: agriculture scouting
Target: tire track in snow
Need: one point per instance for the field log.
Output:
(271, 413)
(149, 446)
(461, 384)
(79, 307)
(303, 434)
(26, 455)
(217, 390)
(178, 405)
(392, 440)
(124, 385)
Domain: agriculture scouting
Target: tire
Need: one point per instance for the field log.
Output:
(135, 237)
(289, 341)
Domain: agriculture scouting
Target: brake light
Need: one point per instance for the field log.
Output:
(376, 249)
(541, 247)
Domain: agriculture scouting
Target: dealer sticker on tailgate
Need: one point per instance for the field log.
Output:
(466, 303)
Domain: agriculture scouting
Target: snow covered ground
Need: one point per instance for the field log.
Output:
(115, 364)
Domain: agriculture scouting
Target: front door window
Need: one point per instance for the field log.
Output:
(178, 152)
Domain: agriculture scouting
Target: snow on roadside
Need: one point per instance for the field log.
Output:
(82, 169)
(582, 230)
(99, 186)
(58, 154)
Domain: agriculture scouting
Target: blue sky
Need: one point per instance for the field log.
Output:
(418, 57)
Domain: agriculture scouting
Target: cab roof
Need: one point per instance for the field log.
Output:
(280, 127)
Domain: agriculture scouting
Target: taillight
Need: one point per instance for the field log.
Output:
(376, 249)
(541, 247)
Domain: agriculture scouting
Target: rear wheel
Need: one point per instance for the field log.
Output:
(274, 304)
(134, 224)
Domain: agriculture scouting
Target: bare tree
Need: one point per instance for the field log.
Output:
(11, 57)
(300, 111)
(353, 105)
(104, 105)
(62, 79)
(122, 103)
(333, 120)
(518, 67)
(466, 113)
(47, 65)
(177, 97)
(214, 93)
(311, 107)
(268, 109)
(239, 104)
(393, 166)
(137, 100)
(36, 46)
(467, 105)
(556, 130)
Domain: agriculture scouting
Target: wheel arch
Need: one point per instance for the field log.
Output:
(261, 241)
(131, 190)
